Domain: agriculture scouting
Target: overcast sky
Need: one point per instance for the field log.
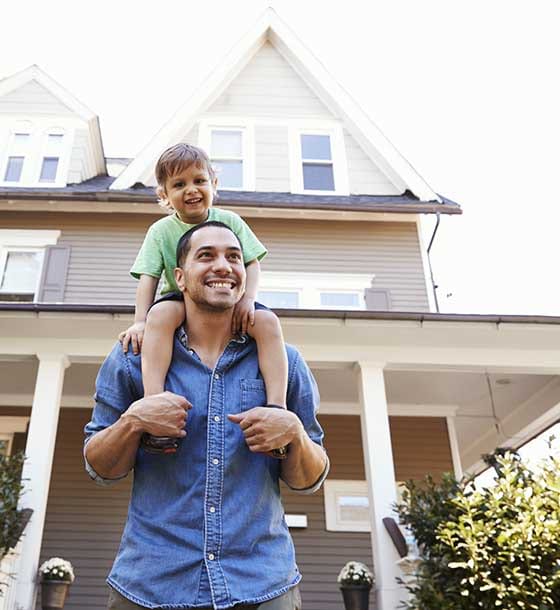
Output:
(467, 91)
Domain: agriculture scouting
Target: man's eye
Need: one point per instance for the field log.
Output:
(235, 257)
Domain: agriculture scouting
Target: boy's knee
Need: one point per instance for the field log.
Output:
(165, 314)
(267, 322)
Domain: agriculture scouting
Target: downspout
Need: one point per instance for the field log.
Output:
(434, 287)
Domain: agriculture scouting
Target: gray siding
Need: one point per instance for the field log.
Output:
(272, 154)
(33, 98)
(364, 177)
(104, 248)
(269, 86)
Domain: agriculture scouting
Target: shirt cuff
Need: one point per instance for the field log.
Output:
(96, 477)
(317, 485)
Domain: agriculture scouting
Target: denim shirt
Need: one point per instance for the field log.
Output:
(205, 525)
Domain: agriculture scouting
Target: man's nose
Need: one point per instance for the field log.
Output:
(222, 265)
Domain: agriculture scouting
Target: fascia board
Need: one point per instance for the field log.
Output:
(369, 135)
(203, 96)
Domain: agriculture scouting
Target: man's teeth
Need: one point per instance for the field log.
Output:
(220, 284)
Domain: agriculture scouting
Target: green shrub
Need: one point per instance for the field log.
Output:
(12, 520)
(494, 548)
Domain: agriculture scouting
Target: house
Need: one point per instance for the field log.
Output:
(405, 390)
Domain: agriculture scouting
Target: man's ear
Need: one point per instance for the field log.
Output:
(180, 278)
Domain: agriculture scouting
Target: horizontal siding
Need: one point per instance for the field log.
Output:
(269, 86)
(363, 176)
(33, 98)
(84, 521)
(272, 155)
(104, 248)
(77, 171)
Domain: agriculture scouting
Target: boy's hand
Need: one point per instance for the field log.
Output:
(135, 335)
(243, 315)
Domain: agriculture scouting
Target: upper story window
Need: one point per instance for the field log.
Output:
(318, 161)
(230, 148)
(21, 262)
(313, 290)
(36, 155)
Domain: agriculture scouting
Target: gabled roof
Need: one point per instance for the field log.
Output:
(270, 27)
(34, 73)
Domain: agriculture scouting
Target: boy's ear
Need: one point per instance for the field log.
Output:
(215, 183)
(160, 192)
(180, 278)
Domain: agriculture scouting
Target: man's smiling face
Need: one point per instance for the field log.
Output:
(213, 274)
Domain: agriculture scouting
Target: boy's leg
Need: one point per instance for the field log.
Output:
(163, 319)
(273, 361)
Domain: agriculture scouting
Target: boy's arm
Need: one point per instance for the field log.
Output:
(145, 293)
(244, 314)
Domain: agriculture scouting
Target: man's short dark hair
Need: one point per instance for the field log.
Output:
(184, 245)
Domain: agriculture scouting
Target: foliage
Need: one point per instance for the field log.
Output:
(12, 520)
(355, 573)
(494, 548)
(56, 568)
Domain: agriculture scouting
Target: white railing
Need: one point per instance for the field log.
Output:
(8, 571)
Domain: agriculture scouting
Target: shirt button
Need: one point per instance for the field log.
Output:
(216, 376)
(211, 556)
(215, 461)
(216, 418)
(212, 509)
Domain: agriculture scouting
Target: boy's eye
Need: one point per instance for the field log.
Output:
(178, 185)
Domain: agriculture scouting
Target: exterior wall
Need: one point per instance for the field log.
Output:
(104, 248)
(77, 172)
(32, 98)
(84, 521)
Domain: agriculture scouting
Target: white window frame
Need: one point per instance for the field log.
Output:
(9, 426)
(338, 158)
(38, 131)
(25, 240)
(247, 143)
(310, 285)
(336, 487)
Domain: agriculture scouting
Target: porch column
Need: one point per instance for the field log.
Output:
(454, 446)
(380, 474)
(36, 474)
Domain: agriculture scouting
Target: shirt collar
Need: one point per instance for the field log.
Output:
(184, 339)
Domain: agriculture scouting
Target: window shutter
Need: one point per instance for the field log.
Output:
(53, 276)
(377, 300)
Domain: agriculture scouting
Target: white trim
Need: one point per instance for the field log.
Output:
(270, 27)
(246, 127)
(454, 447)
(338, 157)
(296, 521)
(9, 437)
(333, 488)
(12, 424)
(425, 264)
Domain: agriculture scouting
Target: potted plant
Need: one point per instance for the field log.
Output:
(56, 576)
(355, 581)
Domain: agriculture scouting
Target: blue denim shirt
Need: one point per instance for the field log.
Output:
(205, 525)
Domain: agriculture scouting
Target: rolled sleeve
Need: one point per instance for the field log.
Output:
(317, 485)
(94, 475)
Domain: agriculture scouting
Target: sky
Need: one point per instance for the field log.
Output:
(465, 90)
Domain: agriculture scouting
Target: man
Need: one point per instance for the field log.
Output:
(206, 526)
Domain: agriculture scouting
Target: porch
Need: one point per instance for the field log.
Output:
(402, 395)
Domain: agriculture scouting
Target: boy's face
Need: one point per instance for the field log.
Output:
(190, 192)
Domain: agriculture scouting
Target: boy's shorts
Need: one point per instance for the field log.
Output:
(178, 296)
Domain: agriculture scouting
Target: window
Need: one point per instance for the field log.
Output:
(318, 160)
(13, 169)
(317, 165)
(314, 290)
(6, 444)
(51, 156)
(347, 505)
(48, 169)
(8, 427)
(231, 150)
(21, 262)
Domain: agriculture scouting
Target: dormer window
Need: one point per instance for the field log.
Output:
(52, 152)
(318, 162)
(19, 150)
(230, 148)
(14, 168)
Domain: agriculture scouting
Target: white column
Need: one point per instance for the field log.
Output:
(380, 474)
(39, 452)
(454, 446)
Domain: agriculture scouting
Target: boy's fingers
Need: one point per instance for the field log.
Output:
(125, 341)
(252, 317)
(134, 344)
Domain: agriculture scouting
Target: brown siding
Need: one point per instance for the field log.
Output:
(104, 248)
(84, 521)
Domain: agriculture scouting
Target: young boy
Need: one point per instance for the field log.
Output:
(187, 184)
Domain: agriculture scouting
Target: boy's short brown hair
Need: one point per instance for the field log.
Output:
(179, 157)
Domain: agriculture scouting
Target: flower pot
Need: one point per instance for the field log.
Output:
(356, 597)
(53, 594)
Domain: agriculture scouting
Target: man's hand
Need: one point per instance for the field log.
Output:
(266, 429)
(243, 315)
(135, 335)
(162, 414)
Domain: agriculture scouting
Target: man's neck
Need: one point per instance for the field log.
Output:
(209, 332)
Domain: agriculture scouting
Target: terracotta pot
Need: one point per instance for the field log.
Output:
(356, 597)
(53, 594)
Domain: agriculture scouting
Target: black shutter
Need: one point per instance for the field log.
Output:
(53, 276)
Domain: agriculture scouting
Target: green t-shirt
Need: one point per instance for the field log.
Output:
(157, 255)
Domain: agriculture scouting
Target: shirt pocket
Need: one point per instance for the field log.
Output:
(253, 393)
